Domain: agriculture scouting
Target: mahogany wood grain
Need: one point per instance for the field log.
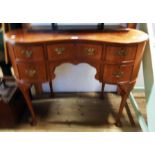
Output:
(29, 52)
(32, 71)
(23, 37)
(115, 74)
(60, 51)
(88, 51)
(120, 54)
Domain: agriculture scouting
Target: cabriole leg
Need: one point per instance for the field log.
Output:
(25, 90)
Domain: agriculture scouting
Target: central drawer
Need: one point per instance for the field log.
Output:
(60, 51)
(32, 71)
(89, 51)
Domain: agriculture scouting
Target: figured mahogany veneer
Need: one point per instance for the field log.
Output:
(29, 52)
(115, 55)
(120, 53)
(117, 73)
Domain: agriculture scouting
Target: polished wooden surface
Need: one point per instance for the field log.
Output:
(126, 37)
(115, 55)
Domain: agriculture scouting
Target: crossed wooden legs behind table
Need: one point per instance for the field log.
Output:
(125, 89)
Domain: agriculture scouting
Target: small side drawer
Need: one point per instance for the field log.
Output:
(120, 53)
(60, 51)
(29, 52)
(32, 71)
(117, 73)
(90, 51)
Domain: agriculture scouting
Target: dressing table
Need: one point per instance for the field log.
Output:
(116, 57)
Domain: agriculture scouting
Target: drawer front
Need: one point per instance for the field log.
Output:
(32, 71)
(120, 53)
(90, 51)
(29, 52)
(117, 73)
(60, 51)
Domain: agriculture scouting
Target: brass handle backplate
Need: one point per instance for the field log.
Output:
(59, 51)
(27, 53)
(31, 72)
(90, 51)
(118, 74)
(121, 53)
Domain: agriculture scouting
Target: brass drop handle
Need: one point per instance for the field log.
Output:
(118, 74)
(27, 53)
(121, 53)
(31, 72)
(90, 51)
(59, 51)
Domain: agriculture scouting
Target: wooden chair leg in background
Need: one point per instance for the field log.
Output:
(132, 122)
(122, 105)
(124, 92)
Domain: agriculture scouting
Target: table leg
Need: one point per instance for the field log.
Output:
(51, 88)
(25, 90)
(122, 105)
(124, 91)
(38, 89)
(102, 90)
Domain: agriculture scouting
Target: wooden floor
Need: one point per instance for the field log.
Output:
(81, 112)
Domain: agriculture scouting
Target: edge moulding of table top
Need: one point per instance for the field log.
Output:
(115, 55)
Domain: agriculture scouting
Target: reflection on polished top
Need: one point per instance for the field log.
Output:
(125, 37)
